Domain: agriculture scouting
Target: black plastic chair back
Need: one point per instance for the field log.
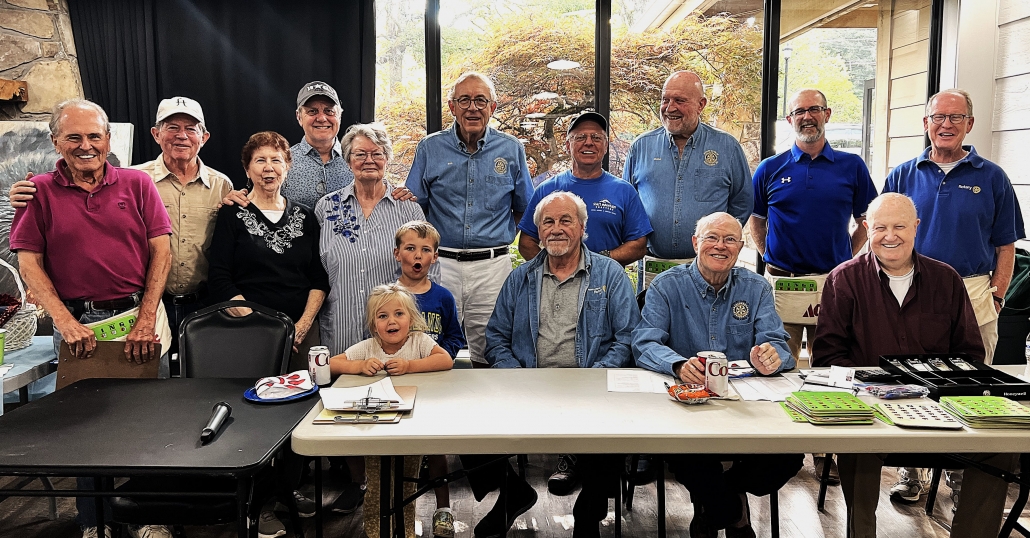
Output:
(213, 343)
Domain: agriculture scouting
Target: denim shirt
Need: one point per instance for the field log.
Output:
(608, 314)
(711, 175)
(683, 314)
(471, 198)
(310, 179)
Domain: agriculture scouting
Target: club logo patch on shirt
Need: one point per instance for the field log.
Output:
(500, 165)
(975, 188)
(741, 310)
(711, 157)
(605, 206)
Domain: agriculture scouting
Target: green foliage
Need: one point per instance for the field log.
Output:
(813, 67)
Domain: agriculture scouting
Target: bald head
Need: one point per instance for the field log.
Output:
(685, 80)
(891, 205)
(892, 221)
(683, 99)
(719, 219)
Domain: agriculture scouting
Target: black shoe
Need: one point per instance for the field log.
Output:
(699, 526)
(743, 530)
(519, 498)
(645, 473)
(564, 479)
(352, 497)
(834, 476)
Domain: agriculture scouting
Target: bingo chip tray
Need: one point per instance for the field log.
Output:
(955, 374)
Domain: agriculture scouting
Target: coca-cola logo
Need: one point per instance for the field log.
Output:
(715, 368)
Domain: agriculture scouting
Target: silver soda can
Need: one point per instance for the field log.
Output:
(716, 372)
(318, 365)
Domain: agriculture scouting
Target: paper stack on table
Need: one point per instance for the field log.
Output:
(828, 408)
(987, 411)
(4, 369)
(349, 398)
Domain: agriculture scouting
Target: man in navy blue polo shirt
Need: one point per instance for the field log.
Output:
(805, 199)
(473, 184)
(970, 220)
(683, 171)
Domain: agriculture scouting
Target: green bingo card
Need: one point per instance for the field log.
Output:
(828, 408)
(987, 411)
(794, 284)
(115, 327)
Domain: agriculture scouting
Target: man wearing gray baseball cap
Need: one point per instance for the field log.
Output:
(318, 163)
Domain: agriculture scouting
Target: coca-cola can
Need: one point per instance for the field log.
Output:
(716, 372)
(318, 365)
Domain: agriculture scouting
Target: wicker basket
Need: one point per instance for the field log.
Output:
(22, 327)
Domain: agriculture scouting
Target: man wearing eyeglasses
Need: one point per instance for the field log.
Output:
(710, 305)
(683, 171)
(473, 184)
(971, 218)
(971, 221)
(805, 199)
(618, 225)
(318, 165)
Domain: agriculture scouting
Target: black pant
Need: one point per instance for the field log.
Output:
(599, 474)
(718, 492)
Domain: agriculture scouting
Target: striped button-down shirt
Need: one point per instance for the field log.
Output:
(310, 179)
(358, 255)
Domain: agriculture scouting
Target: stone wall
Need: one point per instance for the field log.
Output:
(36, 46)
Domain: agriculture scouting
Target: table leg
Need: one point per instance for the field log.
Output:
(49, 486)
(618, 503)
(243, 508)
(98, 486)
(318, 497)
(23, 395)
(384, 497)
(660, 484)
(1017, 507)
(398, 496)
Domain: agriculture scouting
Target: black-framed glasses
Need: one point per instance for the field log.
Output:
(955, 118)
(465, 101)
(813, 110)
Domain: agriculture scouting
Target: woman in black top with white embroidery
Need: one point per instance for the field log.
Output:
(267, 252)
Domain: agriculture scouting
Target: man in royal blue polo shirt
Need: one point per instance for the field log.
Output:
(970, 220)
(473, 184)
(683, 171)
(618, 225)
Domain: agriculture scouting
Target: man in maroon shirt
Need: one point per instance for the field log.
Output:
(895, 301)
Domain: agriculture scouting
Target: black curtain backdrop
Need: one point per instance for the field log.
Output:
(244, 61)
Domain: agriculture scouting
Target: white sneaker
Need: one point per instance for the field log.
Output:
(443, 523)
(150, 531)
(91, 532)
(909, 489)
(269, 526)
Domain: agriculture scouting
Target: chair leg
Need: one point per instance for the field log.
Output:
(49, 486)
(523, 461)
(931, 496)
(630, 474)
(824, 481)
(774, 513)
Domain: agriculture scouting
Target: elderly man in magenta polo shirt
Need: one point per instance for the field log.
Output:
(711, 305)
(566, 308)
(892, 301)
(970, 221)
(93, 242)
(683, 171)
(473, 184)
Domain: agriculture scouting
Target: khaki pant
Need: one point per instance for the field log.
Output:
(655, 266)
(981, 295)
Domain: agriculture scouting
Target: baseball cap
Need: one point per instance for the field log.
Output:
(589, 116)
(180, 105)
(317, 87)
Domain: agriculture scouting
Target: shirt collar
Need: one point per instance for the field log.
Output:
(461, 143)
(580, 267)
(692, 141)
(883, 274)
(973, 158)
(306, 149)
(204, 173)
(826, 152)
(702, 285)
(62, 178)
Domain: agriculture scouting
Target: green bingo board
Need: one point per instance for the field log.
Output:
(987, 411)
(116, 327)
(918, 415)
(656, 267)
(830, 408)
(794, 284)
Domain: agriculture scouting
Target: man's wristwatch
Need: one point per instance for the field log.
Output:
(606, 253)
(999, 300)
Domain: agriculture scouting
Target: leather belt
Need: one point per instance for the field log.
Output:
(187, 298)
(474, 255)
(776, 271)
(125, 303)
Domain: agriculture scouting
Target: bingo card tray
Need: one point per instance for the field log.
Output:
(830, 408)
(955, 374)
(919, 415)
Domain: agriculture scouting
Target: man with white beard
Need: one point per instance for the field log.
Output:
(566, 308)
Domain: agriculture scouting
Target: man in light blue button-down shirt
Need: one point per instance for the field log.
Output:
(683, 171)
(473, 184)
(711, 305)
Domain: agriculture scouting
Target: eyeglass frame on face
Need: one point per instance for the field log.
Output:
(728, 240)
(597, 138)
(330, 111)
(175, 129)
(951, 117)
(362, 156)
(813, 110)
(464, 102)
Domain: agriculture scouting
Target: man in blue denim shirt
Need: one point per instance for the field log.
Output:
(711, 305)
(683, 171)
(473, 184)
(567, 308)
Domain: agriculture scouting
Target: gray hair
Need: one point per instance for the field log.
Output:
(58, 112)
(200, 124)
(581, 207)
(476, 75)
(954, 91)
(376, 132)
(890, 197)
(794, 98)
(708, 220)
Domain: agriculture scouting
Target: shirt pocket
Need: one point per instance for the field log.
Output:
(498, 192)
(711, 186)
(739, 329)
(597, 315)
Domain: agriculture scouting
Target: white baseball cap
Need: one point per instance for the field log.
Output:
(180, 105)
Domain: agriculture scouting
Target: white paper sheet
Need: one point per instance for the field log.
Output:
(4, 369)
(344, 398)
(637, 381)
(771, 389)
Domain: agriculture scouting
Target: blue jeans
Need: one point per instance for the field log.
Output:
(86, 506)
(177, 313)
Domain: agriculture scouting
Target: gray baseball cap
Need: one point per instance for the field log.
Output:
(317, 87)
(589, 116)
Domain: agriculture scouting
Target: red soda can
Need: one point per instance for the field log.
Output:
(716, 372)
(318, 365)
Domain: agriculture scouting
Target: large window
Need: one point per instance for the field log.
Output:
(401, 79)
